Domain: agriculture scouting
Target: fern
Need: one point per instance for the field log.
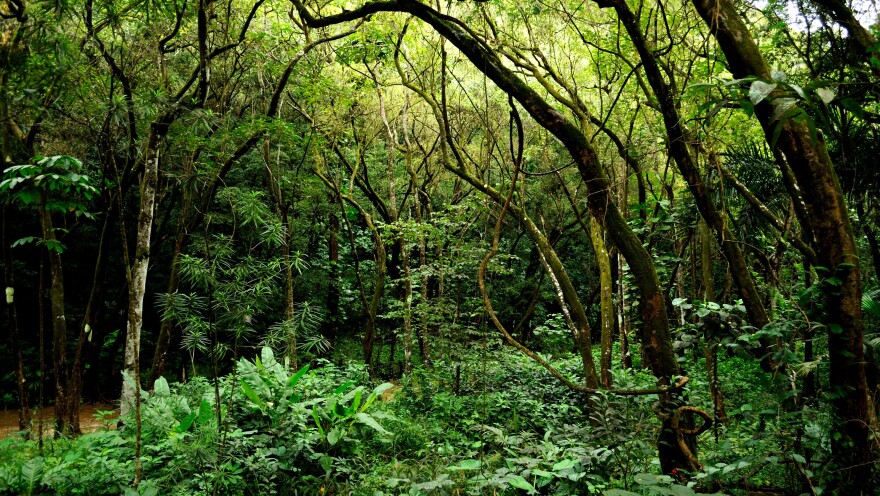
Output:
(305, 326)
(871, 301)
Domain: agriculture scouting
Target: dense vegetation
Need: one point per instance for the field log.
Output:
(391, 247)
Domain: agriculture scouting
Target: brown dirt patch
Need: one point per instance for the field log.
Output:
(87, 420)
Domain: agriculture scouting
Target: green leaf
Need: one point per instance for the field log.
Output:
(381, 388)
(759, 90)
(370, 421)
(800, 91)
(297, 376)
(519, 482)
(564, 464)
(747, 107)
(333, 436)
(343, 387)
(356, 402)
(853, 106)
(466, 465)
(317, 421)
(267, 356)
(205, 413)
(160, 387)
(32, 472)
(618, 492)
(185, 424)
(777, 130)
(25, 241)
(798, 458)
(543, 473)
(780, 107)
(678, 490)
(252, 395)
(648, 479)
(326, 463)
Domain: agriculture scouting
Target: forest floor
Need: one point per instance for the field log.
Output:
(89, 422)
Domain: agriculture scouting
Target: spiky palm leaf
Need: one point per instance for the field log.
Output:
(755, 167)
(305, 325)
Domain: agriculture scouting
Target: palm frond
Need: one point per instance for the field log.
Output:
(871, 301)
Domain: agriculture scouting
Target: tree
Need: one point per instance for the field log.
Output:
(654, 335)
(835, 246)
(55, 185)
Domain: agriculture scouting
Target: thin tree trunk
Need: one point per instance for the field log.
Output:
(620, 321)
(24, 413)
(333, 319)
(63, 401)
(711, 347)
(139, 269)
(606, 304)
(407, 308)
(163, 341)
(289, 309)
(83, 341)
(281, 209)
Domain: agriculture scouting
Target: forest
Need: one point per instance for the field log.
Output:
(413, 247)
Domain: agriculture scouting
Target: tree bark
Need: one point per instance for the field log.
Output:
(139, 269)
(63, 401)
(606, 304)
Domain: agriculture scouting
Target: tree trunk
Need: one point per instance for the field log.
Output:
(331, 329)
(711, 347)
(678, 148)
(835, 247)
(407, 308)
(63, 401)
(83, 342)
(139, 269)
(24, 413)
(163, 341)
(289, 309)
(606, 304)
(620, 323)
(369, 338)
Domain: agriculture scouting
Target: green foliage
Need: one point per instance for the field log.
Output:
(59, 182)
(263, 437)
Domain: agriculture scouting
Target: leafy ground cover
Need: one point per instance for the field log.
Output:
(327, 429)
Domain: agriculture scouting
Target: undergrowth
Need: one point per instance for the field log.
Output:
(497, 425)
